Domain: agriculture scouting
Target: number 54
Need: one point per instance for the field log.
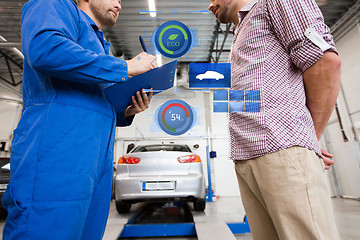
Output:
(175, 116)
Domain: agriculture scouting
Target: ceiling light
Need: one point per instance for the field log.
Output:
(15, 50)
(152, 8)
(159, 60)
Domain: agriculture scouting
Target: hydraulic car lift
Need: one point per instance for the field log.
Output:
(176, 219)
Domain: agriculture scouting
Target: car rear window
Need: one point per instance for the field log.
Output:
(156, 148)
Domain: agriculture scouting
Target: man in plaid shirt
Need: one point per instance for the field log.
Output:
(282, 50)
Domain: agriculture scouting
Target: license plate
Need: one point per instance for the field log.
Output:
(158, 186)
(3, 186)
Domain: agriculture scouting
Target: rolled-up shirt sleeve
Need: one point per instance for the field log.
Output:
(122, 121)
(290, 20)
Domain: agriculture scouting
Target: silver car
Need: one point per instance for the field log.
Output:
(159, 172)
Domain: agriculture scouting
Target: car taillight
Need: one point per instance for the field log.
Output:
(189, 159)
(128, 160)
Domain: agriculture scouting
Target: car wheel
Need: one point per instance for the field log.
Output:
(123, 207)
(199, 205)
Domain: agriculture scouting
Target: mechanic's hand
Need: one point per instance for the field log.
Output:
(143, 62)
(327, 161)
(140, 103)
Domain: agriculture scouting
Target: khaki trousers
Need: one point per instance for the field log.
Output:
(286, 197)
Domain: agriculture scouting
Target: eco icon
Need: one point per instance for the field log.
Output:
(173, 39)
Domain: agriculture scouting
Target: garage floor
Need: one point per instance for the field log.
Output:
(228, 209)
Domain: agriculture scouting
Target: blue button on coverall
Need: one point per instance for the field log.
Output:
(62, 150)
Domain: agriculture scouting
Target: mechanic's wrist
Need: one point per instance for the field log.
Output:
(128, 113)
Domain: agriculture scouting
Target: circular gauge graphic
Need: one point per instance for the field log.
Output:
(173, 39)
(175, 117)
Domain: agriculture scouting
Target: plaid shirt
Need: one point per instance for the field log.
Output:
(270, 52)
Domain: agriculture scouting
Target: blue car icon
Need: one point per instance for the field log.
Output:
(210, 75)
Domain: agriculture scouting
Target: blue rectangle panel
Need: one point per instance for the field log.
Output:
(236, 107)
(252, 107)
(209, 75)
(252, 95)
(220, 106)
(236, 95)
(221, 95)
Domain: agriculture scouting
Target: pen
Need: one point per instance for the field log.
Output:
(142, 43)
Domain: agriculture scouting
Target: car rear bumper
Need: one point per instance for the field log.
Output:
(134, 188)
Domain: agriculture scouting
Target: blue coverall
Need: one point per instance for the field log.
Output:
(62, 150)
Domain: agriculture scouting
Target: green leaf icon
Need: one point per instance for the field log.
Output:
(173, 36)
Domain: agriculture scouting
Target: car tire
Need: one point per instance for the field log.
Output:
(123, 207)
(199, 205)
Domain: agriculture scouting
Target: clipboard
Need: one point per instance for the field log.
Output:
(160, 79)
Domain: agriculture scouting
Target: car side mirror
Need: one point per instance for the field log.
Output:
(130, 147)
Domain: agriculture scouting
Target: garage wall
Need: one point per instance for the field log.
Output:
(345, 176)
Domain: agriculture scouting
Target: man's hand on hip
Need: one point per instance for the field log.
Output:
(327, 159)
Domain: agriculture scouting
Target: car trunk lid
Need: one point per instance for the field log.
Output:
(159, 163)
